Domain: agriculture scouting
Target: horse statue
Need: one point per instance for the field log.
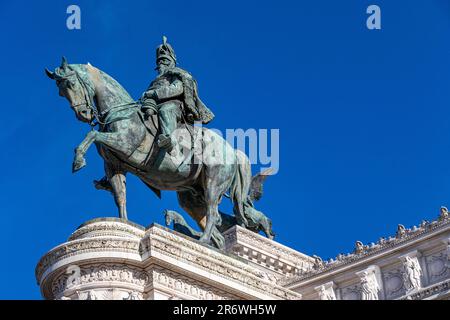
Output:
(126, 140)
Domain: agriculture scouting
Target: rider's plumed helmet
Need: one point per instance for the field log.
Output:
(165, 50)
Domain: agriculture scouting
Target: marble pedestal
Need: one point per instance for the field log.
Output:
(110, 258)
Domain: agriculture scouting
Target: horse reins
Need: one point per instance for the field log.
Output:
(90, 105)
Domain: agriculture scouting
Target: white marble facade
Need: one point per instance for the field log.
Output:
(112, 259)
(412, 265)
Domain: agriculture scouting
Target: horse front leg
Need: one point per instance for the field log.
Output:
(79, 161)
(116, 141)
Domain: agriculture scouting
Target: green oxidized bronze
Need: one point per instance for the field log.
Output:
(143, 138)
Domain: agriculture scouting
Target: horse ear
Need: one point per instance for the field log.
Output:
(50, 74)
(64, 63)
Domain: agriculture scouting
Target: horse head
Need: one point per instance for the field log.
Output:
(73, 85)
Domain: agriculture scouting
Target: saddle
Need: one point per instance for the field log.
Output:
(186, 165)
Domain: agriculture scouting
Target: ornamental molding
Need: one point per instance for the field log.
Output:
(210, 260)
(437, 266)
(167, 240)
(99, 274)
(238, 238)
(439, 288)
(351, 292)
(177, 285)
(107, 229)
(105, 294)
(119, 259)
(394, 283)
(404, 237)
(77, 247)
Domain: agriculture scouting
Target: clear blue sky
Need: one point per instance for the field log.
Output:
(364, 116)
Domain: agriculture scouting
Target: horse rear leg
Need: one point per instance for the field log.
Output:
(197, 209)
(118, 183)
(214, 184)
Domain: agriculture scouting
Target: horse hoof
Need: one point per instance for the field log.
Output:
(78, 165)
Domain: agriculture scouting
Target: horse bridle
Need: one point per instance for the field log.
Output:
(88, 102)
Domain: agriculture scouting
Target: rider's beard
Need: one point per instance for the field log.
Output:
(162, 69)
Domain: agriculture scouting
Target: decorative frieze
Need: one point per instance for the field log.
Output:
(177, 285)
(403, 236)
(99, 274)
(440, 290)
(437, 267)
(77, 247)
(413, 263)
(352, 292)
(394, 283)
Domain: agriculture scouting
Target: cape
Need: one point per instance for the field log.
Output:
(192, 103)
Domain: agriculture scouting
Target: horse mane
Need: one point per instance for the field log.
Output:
(87, 69)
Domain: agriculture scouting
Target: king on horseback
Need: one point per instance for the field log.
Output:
(173, 95)
(138, 138)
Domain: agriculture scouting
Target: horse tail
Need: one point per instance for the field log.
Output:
(240, 186)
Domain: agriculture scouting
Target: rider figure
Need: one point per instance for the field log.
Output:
(173, 96)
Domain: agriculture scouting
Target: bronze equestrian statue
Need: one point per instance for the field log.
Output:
(148, 138)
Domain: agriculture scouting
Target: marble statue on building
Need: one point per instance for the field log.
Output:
(369, 286)
(413, 273)
(326, 293)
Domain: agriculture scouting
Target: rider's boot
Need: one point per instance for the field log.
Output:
(168, 116)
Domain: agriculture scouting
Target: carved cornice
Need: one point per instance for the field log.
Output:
(384, 245)
(238, 237)
(430, 291)
(76, 247)
(96, 229)
(209, 259)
